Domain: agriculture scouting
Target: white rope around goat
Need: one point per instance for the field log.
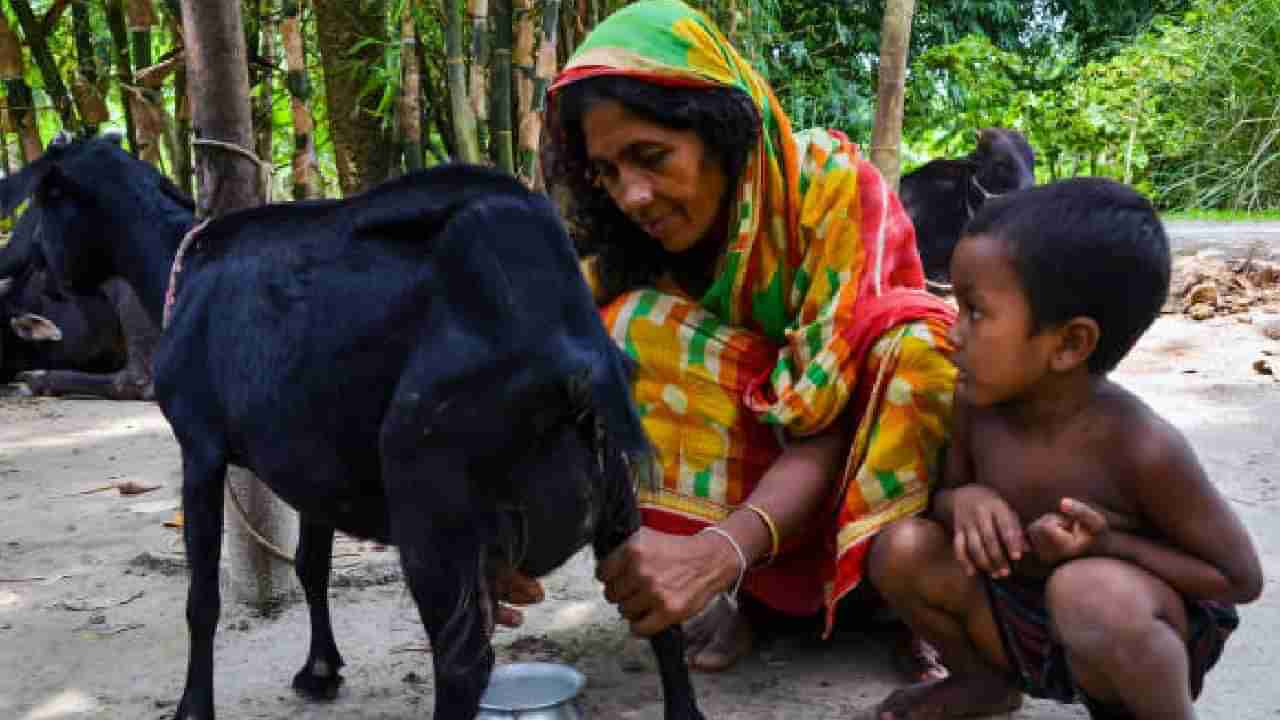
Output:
(264, 168)
(253, 532)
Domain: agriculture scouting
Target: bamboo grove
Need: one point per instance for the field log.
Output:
(345, 93)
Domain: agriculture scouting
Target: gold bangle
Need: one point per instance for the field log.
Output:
(774, 539)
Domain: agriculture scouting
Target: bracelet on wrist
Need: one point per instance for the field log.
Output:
(774, 540)
(742, 561)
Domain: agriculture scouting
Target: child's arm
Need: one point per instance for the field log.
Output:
(985, 531)
(1202, 550)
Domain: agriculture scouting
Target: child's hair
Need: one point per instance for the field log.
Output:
(1087, 247)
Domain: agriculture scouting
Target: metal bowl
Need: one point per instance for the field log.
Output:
(532, 691)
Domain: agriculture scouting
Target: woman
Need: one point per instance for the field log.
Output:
(791, 373)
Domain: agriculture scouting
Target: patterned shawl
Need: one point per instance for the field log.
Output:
(817, 235)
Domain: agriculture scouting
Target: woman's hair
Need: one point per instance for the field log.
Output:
(724, 118)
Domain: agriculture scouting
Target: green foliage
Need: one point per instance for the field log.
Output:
(1189, 112)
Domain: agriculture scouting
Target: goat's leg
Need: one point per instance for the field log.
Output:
(443, 573)
(203, 478)
(318, 679)
(679, 700)
(121, 385)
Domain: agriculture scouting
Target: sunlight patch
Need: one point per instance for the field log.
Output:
(65, 704)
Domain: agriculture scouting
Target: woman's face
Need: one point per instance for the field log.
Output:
(664, 180)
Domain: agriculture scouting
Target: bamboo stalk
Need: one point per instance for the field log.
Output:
(523, 64)
(410, 91)
(38, 44)
(89, 101)
(543, 72)
(500, 141)
(124, 70)
(464, 118)
(183, 163)
(298, 83)
(18, 93)
(478, 10)
(264, 107)
(147, 114)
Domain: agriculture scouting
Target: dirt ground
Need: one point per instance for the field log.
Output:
(92, 586)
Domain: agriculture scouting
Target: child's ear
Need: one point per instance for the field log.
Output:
(1078, 338)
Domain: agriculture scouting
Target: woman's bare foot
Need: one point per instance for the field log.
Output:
(957, 696)
(718, 636)
(916, 659)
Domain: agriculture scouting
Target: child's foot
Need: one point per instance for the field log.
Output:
(718, 636)
(916, 659)
(955, 697)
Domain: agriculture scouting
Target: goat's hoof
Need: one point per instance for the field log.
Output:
(317, 687)
(187, 713)
(34, 380)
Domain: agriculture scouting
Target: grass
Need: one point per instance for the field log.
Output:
(1221, 215)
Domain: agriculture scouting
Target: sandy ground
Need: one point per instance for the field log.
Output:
(92, 586)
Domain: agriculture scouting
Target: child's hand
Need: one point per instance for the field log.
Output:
(1073, 532)
(986, 532)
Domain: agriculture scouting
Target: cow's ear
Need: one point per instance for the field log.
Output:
(35, 328)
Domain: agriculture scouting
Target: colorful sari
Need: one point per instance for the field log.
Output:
(816, 303)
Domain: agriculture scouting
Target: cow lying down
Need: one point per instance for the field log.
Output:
(421, 365)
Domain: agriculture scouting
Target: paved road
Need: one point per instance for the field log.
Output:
(1234, 239)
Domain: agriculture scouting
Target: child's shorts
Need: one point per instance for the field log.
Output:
(1039, 660)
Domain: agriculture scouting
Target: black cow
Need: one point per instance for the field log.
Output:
(421, 365)
(942, 195)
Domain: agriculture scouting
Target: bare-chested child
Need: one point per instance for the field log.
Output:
(1075, 550)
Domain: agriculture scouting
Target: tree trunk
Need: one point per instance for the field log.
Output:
(463, 118)
(500, 141)
(410, 91)
(360, 141)
(304, 144)
(886, 137)
(88, 96)
(124, 69)
(264, 108)
(216, 60)
(18, 93)
(38, 43)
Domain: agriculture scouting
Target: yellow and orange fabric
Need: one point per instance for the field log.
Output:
(817, 303)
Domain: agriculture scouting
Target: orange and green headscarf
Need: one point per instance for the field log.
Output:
(818, 240)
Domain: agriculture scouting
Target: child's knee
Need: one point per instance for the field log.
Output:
(903, 548)
(1102, 609)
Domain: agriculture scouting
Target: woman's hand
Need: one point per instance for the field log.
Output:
(515, 588)
(658, 580)
(986, 533)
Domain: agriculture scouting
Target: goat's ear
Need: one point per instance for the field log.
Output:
(35, 328)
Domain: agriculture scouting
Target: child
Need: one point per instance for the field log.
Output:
(1075, 550)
